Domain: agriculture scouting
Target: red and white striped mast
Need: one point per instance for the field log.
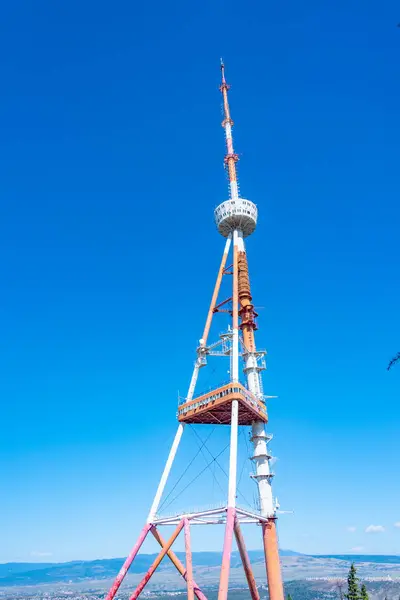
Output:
(232, 404)
(230, 158)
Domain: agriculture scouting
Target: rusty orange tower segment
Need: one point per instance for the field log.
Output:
(240, 402)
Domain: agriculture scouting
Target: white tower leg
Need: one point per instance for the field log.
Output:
(173, 451)
(233, 455)
(197, 366)
(193, 381)
(166, 472)
(235, 377)
(235, 312)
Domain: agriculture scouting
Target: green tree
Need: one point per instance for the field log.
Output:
(364, 593)
(289, 597)
(353, 592)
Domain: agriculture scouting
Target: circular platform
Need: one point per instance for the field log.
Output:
(236, 214)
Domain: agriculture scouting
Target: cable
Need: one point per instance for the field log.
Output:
(197, 476)
(184, 472)
(201, 448)
(223, 470)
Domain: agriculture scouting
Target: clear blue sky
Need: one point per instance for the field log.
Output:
(111, 153)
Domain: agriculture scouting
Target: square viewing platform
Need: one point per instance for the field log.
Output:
(215, 407)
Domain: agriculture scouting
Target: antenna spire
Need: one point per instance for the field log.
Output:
(230, 158)
(222, 70)
(236, 212)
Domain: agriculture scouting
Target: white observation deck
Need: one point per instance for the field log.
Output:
(236, 214)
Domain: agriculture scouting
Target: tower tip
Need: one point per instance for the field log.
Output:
(222, 69)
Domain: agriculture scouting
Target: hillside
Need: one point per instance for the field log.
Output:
(42, 573)
(296, 567)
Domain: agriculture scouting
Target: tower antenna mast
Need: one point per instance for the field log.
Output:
(231, 157)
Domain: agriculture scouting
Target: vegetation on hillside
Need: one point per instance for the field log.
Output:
(353, 590)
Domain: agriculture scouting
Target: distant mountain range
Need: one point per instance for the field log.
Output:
(393, 559)
(39, 573)
(22, 574)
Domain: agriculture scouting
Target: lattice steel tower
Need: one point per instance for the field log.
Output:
(232, 404)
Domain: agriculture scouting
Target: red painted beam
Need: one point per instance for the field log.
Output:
(273, 564)
(246, 562)
(189, 566)
(128, 562)
(226, 555)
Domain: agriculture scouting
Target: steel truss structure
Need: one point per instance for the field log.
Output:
(232, 404)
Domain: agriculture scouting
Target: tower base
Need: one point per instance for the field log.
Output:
(233, 518)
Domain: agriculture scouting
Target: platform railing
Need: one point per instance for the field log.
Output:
(211, 397)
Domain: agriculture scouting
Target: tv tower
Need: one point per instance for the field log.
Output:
(232, 404)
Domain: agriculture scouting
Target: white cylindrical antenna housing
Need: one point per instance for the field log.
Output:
(237, 214)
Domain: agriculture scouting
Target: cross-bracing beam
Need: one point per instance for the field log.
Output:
(192, 515)
(157, 561)
(177, 563)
